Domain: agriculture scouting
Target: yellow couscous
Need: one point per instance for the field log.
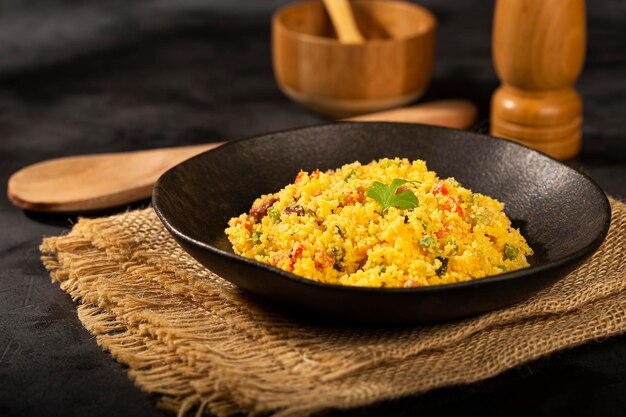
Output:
(390, 223)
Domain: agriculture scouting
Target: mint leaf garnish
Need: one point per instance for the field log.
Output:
(387, 197)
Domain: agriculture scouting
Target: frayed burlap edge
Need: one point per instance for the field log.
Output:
(202, 345)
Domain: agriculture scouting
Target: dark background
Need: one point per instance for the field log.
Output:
(99, 76)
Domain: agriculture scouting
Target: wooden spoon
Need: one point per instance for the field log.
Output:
(343, 21)
(93, 182)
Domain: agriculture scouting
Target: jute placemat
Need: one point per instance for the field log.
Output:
(203, 345)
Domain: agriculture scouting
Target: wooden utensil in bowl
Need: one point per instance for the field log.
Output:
(391, 68)
(344, 24)
(94, 182)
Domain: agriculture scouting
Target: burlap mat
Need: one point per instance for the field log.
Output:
(203, 345)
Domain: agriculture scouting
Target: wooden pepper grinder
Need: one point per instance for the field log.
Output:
(538, 51)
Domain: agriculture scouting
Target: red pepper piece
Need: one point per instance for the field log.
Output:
(441, 189)
(453, 205)
(294, 257)
(300, 176)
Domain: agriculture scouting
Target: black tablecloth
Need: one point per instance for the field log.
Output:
(92, 76)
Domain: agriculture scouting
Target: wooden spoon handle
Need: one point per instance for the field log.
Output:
(93, 182)
(458, 114)
(343, 21)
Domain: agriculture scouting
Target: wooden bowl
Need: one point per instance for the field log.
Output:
(392, 68)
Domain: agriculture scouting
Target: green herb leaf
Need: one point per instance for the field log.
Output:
(427, 241)
(338, 255)
(256, 237)
(350, 175)
(387, 197)
(444, 266)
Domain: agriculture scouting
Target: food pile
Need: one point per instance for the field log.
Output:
(390, 223)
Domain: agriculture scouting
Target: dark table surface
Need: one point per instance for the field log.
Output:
(90, 76)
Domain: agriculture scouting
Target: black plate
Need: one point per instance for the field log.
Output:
(562, 213)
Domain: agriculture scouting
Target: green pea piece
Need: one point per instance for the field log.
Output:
(274, 214)
(510, 251)
(256, 237)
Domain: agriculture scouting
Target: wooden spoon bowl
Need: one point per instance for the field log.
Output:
(391, 68)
